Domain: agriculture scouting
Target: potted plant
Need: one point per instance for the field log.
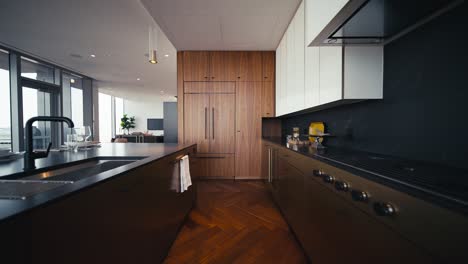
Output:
(126, 123)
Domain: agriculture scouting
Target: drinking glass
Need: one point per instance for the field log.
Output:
(72, 141)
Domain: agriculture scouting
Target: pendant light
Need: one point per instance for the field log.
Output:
(153, 41)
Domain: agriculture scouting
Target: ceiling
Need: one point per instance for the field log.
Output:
(223, 24)
(67, 32)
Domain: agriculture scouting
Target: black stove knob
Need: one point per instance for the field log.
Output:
(328, 178)
(318, 173)
(341, 186)
(384, 209)
(359, 196)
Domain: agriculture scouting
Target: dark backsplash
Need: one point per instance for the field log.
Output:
(423, 113)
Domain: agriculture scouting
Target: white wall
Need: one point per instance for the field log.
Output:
(143, 108)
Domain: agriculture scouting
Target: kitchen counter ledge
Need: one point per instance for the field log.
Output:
(146, 152)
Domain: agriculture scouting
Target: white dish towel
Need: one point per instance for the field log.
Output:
(185, 179)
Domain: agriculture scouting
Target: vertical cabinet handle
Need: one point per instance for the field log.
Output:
(206, 119)
(212, 120)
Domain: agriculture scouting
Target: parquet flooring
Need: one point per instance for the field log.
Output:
(234, 222)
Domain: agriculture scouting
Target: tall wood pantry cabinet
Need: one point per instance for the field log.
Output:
(223, 96)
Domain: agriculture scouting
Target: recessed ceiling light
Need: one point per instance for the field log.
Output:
(72, 80)
(138, 79)
(166, 55)
(92, 56)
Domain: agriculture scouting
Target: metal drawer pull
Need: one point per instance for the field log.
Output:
(384, 209)
(209, 157)
(212, 119)
(206, 126)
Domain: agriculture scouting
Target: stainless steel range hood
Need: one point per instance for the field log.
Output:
(380, 21)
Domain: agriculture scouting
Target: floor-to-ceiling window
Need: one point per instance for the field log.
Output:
(119, 111)
(5, 119)
(77, 102)
(32, 69)
(105, 117)
(39, 88)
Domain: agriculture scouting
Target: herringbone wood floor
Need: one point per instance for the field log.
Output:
(235, 222)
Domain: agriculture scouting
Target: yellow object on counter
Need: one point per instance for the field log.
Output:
(316, 128)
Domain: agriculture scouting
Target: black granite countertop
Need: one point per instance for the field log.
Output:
(146, 152)
(439, 184)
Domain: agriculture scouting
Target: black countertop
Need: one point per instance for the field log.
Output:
(146, 152)
(439, 184)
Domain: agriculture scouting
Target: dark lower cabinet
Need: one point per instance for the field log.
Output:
(328, 227)
(132, 218)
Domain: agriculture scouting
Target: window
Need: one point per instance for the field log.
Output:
(72, 90)
(38, 103)
(5, 122)
(119, 111)
(77, 106)
(37, 71)
(105, 117)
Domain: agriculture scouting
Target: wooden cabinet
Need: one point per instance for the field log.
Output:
(266, 161)
(359, 238)
(250, 66)
(223, 113)
(222, 134)
(224, 65)
(209, 121)
(196, 121)
(332, 229)
(214, 166)
(196, 65)
(268, 61)
(268, 99)
(249, 129)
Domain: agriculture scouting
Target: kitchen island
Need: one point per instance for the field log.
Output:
(130, 213)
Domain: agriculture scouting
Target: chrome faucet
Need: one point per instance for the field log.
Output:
(30, 155)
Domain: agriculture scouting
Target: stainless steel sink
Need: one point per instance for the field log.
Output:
(40, 182)
(78, 172)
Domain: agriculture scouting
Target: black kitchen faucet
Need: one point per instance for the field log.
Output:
(30, 155)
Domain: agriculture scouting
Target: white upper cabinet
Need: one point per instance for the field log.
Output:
(295, 64)
(330, 74)
(281, 78)
(309, 77)
(312, 77)
(318, 14)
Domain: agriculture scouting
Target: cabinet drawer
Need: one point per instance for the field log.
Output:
(213, 166)
(209, 87)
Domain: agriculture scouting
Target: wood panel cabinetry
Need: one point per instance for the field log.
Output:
(196, 121)
(223, 113)
(268, 99)
(210, 122)
(224, 65)
(214, 166)
(249, 129)
(196, 65)
(268, 66)
(251, 66)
